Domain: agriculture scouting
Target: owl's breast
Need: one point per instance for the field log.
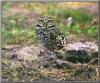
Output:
(42, 35)
(50, 38)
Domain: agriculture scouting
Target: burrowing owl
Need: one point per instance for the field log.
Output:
(49, 34)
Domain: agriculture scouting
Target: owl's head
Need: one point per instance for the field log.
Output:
(44, 22)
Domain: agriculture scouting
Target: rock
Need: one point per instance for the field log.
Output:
(29, 53)
(78, 52)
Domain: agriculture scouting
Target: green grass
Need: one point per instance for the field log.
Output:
(16, 28)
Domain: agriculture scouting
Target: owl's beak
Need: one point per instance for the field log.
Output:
(43, 27)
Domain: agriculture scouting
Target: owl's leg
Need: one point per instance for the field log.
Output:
(49, 55)
(49, 58)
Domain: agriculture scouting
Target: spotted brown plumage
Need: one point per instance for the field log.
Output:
(49, 34)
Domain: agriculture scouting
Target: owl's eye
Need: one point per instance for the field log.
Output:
(50, 20)
(38, 25)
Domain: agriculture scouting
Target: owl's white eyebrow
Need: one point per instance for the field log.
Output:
(37, 27)
(52, 26)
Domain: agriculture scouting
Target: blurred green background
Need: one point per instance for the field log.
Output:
(77, 18)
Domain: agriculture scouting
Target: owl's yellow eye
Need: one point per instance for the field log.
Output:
(49, 20)
(41, 20)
